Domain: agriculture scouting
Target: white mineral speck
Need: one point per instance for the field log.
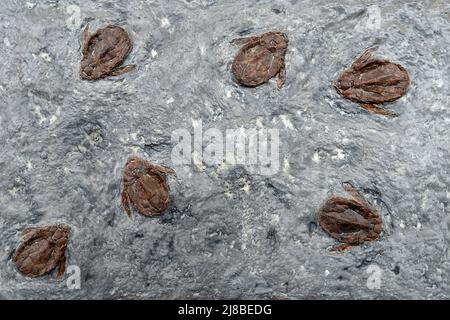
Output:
(6, 42)
(165, 23)
(316, 157)
(12, 191)
(246, 187)
(286, 165)
(286, 121)
(259, 123)
(339, 154)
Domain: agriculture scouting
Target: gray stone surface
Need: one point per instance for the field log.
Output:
(229, 233)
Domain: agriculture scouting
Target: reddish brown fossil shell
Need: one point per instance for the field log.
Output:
(371, 81)
(260, 59)
(42, 250)
(351, 221)
(145, 187)
(104, 52)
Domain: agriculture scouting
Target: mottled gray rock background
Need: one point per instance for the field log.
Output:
(229, 233)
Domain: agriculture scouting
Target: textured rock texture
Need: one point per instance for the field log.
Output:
(229, 232)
